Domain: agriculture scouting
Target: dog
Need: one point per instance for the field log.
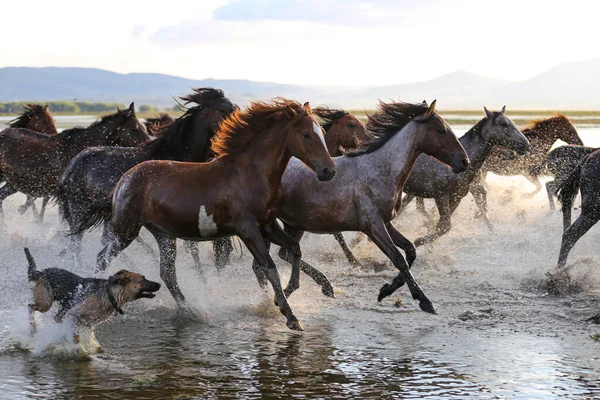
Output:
(89, 301)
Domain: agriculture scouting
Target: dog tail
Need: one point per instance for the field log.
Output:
(32, 271)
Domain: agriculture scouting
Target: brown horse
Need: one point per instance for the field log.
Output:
(156, 125)
(238, 193)
(36, 118)
(53, 153)
(542, 134)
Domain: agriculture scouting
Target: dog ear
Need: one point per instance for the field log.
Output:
(120, 278)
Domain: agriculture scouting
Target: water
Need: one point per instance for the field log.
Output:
(497, 334)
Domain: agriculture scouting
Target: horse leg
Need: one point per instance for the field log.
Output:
(167, 246)
(411, 254)
(347, 252)
(421, 209)
(538, 186)
(259, 272)
(381, 237)
(584, 222)
(223, 249)
(252, 238)
(289, 240)
(404, 202)
(30, 202)
(444, 224)
(40, 216)
(115, 245)
(5, 191)
(567, 206)
(551, 190)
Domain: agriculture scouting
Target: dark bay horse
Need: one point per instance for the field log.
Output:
(343, 133)
(560, 163)
(85, 188)
(542, 134)
(156, 125)
(363, 194)
(36, 118)
(238, 193)
(585, 177)
(432, 179)
(53, 153)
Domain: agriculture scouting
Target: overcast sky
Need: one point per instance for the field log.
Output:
(335, 42)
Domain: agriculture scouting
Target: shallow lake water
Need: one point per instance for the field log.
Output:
(498, 333)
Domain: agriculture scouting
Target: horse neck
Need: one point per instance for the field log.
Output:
(192, 145)
(542, 141)
(395, 159)
(477, 149)
(268, 155)
(74, 140)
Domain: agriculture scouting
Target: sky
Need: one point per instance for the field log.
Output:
(308, 42)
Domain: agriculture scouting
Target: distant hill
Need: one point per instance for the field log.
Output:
(567, 86)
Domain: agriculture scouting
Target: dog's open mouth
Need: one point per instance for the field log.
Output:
(148, 295)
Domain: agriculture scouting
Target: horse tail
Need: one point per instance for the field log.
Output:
(567, 189)
(92, 220)
(32, 272)
(60, 199)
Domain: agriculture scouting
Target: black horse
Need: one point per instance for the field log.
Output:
(560, 162)
(85, 188)
(585, 177)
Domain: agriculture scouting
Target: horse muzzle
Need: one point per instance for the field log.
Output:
(325, 174)
(460, 165)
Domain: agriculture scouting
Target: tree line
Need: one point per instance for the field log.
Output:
(75, 107)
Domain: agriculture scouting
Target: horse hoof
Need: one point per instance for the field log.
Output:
(384, 292)
(419, 242)
(294, 324)
(327, 290)
(427, 306)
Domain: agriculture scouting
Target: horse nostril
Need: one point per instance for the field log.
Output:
(464, 162)
(326, 171)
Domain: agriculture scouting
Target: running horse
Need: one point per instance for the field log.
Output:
(38, 119)
(367, 186)
(53, 153)
(238, 193)
(85, 188)
(432, 179)
(542, 134)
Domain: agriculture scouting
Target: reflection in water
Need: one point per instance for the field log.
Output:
(186, 359)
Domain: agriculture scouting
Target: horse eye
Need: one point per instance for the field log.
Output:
(306, 135)
(442, 130)
(351, 126)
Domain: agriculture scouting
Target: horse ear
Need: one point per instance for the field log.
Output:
(46, 107)
(430, 110)
(119, 110)
(131, 109)
(503, 109)
(425, 103)
(488, 113)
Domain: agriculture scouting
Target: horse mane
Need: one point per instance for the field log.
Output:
(542, 123)
(241, 127)
(161, 120)
(173, 134)
(22, 120)
(386, 122)
(329, 116)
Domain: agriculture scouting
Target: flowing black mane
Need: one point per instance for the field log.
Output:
(329, 116)
(174, 134)
(388, 121)
(22, 120)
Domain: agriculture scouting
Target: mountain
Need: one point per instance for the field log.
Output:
(566, 86)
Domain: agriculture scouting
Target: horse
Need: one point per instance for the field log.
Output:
(542, 134)
(53, 153)
(238, 193)
(343, 133)
(585, 177)
(36, 118)
(85, 188)
(560, 162)
(367, 186)
(432, 179)
(156, 125)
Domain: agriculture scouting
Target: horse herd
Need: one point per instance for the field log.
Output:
(219, 171)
